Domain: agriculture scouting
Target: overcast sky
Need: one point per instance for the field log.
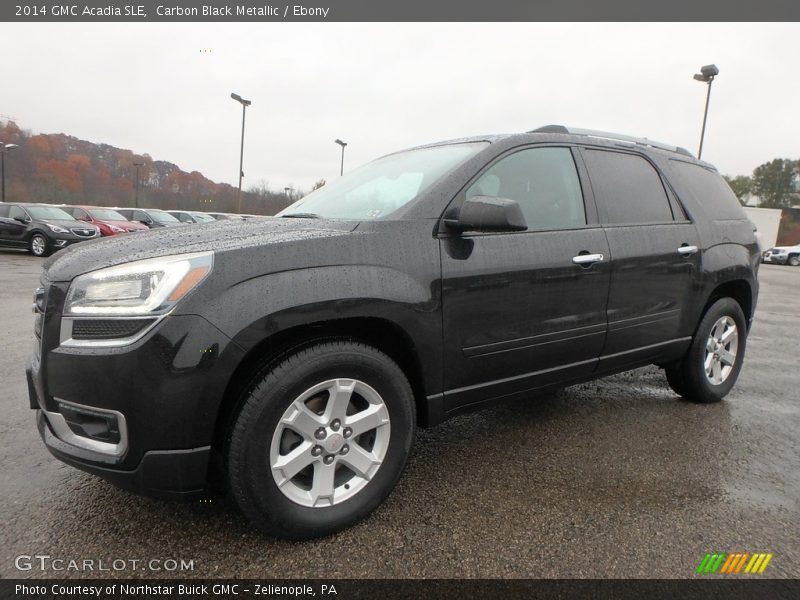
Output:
(383, 87)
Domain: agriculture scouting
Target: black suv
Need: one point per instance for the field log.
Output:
(291, 359)
(41, 229)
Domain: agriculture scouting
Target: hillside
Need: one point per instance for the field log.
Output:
(59, 168)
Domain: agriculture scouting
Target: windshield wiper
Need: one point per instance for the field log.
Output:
(301, 216)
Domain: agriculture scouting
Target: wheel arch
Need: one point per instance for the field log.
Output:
(740, 290)
(381, 333)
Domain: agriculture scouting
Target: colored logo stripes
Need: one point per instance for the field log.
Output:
(734, 563)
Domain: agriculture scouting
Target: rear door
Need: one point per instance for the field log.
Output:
(519, 311)
(655, 259)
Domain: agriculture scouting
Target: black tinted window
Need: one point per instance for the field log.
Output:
(706, 188)
(629, 187)
(545, 183)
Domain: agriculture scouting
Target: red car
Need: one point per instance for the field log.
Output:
(108, 220)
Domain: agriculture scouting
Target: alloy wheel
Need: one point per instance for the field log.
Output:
(721, 348)
(38, 245)
(330, 442)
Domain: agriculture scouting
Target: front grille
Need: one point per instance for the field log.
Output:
(84, 231)
(107, 329)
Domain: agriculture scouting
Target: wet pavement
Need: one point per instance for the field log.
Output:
(614, 478)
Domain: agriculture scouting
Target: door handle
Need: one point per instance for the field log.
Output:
(687, 250)
(587, 259)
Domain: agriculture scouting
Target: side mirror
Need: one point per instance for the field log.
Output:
(488, 213)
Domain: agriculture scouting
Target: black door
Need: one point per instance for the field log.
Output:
(12, 231)
(525, 309)
(655, 259)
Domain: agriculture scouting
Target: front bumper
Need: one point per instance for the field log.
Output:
(175, 474)
(162, 395)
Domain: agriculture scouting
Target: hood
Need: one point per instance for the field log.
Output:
(67, 224)
(124, 224)
(220, 236)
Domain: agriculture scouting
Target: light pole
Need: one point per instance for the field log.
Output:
(136, 197)
(342, 144)
(288, 191)
(3, 149)
(245, 104)
(706, 75)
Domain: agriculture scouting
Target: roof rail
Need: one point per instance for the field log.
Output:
(611, 136)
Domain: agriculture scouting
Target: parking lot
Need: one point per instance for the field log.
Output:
(614, 478)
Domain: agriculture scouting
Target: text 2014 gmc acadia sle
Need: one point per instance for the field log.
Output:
(288, 361)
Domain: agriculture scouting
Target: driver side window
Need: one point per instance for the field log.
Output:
(544, 181)
(17, 213)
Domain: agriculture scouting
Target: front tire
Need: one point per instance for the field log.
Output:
(794, 261)
(711, 366)
(321, 439)
(39, 246)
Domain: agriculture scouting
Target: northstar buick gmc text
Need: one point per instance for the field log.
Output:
(287, 361)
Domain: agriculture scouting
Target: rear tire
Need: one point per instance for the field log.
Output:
(321, 439)
(711, 366)
(39, 246)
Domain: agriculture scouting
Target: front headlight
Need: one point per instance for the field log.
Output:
(144, 287)
(57, 229)
(116, 229)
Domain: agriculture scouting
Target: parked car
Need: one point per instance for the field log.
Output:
(186, 216)
(226, 216)
(783, 255)
(108, 220)
(151, 217)
(40, 228)
(289, 360)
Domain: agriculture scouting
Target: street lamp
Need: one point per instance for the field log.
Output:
(706, 75)
(245, 104)
(3, 149)
(342, 144)
(288, 191)
(137, 165)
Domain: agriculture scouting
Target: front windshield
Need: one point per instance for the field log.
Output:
(162, 217)
(49, 212)
(381, 187)
(106, 214)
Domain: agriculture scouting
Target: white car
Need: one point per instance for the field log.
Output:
(783, 255)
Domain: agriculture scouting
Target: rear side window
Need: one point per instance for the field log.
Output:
(543, 181)
(3, 210)
(707, 189)
(629, 187)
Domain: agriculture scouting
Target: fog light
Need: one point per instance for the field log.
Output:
(87, 423)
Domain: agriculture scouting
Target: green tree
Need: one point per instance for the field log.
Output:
(742, 186)
(775, 183)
